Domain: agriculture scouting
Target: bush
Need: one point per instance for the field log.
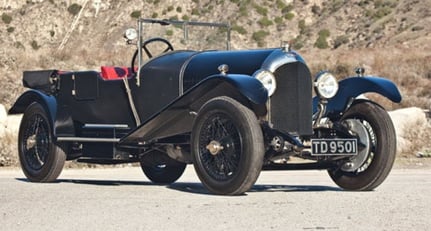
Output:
(6, 18)
(239, 29)
(185, 18)
(261, 10)
(74, 9)
(136, 14)
(10, 29)
(321, 41)
(289, 16)
(259, 37)
(264, 22)
(169, 32)
(34, 45)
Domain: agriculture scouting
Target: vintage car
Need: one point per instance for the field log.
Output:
(229, 113)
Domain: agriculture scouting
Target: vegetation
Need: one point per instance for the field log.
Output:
(321, 41)
(259, 37)
(6, 18)
(136, 14)
(74, 9)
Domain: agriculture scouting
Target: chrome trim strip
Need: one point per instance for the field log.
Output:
(88, 139)
(105, 126)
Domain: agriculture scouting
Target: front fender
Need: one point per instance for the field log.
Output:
(178, 116)
(247, 86)
(47, 101)
(353, 87)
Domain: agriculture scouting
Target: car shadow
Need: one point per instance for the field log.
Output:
(197, 188)
(96, 182)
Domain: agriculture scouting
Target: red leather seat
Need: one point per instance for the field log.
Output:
(111, 72)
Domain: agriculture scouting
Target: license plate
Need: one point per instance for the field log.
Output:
(331, 147)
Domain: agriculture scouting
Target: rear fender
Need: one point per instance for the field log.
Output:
(27, 98)
(178, 116)
(351, 88)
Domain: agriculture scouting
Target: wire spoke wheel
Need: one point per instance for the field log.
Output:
(41, 159)
(227, 146)
(219, 130)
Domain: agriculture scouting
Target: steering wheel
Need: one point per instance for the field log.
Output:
(169, 47)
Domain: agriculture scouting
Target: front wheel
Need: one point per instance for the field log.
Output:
(377, 160)
(227, 146)
(41, 159)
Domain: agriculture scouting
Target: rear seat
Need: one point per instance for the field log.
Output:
(111, 72)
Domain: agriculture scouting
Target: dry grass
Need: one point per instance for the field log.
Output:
(408, 68)
(8, 150)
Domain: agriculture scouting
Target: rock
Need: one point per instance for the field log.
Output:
(410, 125)
(3, 118)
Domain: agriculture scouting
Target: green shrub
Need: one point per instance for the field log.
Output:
(321, 41)
(10, 29)
(260, 10)
(136, 14)
(6, 18)
(324, 33)
(280, 4)
(243, 11)
(51, 33)
(289, 16)
(195, 11)
(185, 18)
(278, 20)
(259, 37)
(74, 9)
(154, 15)
(239, 29)
(287, 9)
(264, 22)
(169, 32)
(170, 8)
(179, 9)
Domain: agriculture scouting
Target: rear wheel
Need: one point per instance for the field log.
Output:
(375, 164)
(160, 168)
(227, 146)
(41, 159)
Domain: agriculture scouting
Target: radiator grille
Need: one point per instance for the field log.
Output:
(291, 105)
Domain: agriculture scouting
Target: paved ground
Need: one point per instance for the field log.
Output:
(123, 199)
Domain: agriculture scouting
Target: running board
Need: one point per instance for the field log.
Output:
(88, 139)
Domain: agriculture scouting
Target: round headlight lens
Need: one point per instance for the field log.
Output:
(326, 85)
(267, 79)
(131, 34)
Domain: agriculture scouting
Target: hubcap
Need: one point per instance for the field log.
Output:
(214, 147)
(354, 163)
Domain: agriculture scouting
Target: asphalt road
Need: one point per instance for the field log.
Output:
(123, 199)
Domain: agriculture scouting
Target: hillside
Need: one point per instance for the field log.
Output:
(37, 34)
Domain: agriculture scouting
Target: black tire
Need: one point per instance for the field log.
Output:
(382, 152)
(41, 159)
(235, 129)
(160, 168)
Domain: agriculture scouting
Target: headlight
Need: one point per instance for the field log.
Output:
(326, 85)
(267, 79)
(131, 34)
